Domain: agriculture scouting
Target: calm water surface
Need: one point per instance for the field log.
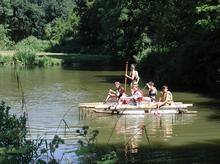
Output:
(50, 92)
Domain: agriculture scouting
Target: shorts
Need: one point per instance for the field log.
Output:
(132, 83)
(135, 103)
(152, 99)
(119, 96)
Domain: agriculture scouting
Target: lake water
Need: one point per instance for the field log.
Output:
(49, 92)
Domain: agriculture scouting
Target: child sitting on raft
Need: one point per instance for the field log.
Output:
(136, 98)
(115, 95)
(150, 97)
(166, 96)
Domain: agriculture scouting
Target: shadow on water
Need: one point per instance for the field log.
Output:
(110, 78)
(195, 152)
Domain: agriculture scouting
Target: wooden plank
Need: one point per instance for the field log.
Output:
(191, 112)
(132, 108)
(98, 103)
(138, 112)
(91, 104)
(125, 112)
(103, 106)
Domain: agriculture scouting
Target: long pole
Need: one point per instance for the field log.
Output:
(126, 71)
(158, 107)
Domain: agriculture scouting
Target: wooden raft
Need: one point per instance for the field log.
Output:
(144, 108)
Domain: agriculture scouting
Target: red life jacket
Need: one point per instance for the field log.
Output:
(139, 99)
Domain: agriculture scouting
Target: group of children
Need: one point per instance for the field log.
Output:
(137, 96)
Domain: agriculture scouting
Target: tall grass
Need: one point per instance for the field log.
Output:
(25, 55)
(37, 44)
(46, 60)
(7, 59)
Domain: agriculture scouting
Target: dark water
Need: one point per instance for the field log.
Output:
(49, 92)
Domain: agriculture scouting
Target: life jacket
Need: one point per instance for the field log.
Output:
(170, 100)
(139, 99)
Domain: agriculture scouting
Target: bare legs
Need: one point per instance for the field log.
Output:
(110, 97)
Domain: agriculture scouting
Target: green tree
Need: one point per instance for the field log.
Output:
(28, 19)
(60, 30)
(5, 14)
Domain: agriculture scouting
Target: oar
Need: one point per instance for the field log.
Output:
(126, 71)
(158, 106)
(144, 88)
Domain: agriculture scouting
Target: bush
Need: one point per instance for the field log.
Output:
(25, 55)
(36, 44)
(15, 148)
(12, 136)
(46, 60)
(7, 59)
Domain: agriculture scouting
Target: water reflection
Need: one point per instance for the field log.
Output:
(138, 131)
(133, 125)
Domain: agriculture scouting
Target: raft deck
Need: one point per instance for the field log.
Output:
(144, 108)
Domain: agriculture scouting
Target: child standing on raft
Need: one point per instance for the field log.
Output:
(115, 95)
(133, 76)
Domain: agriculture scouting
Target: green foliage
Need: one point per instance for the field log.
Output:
(46, 60)
(4, 59)
(185, 43)
(57, 9)
(36, 44)
(89, 148)
(125, 37)
(27, 48)
(108, 158)
(5, 9)
(28, 19)
(84, 149)
(6, 12)
(23, 18)
(15, 148)
(62, 30)
(12, 137)
(25, 55)
(5, 42)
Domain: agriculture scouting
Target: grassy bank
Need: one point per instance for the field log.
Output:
(84, 59)
(7, 57)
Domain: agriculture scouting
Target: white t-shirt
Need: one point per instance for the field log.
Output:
(136, 95)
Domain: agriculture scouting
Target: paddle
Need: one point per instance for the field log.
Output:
(158, 106)
(126, 71)
(144, 88)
